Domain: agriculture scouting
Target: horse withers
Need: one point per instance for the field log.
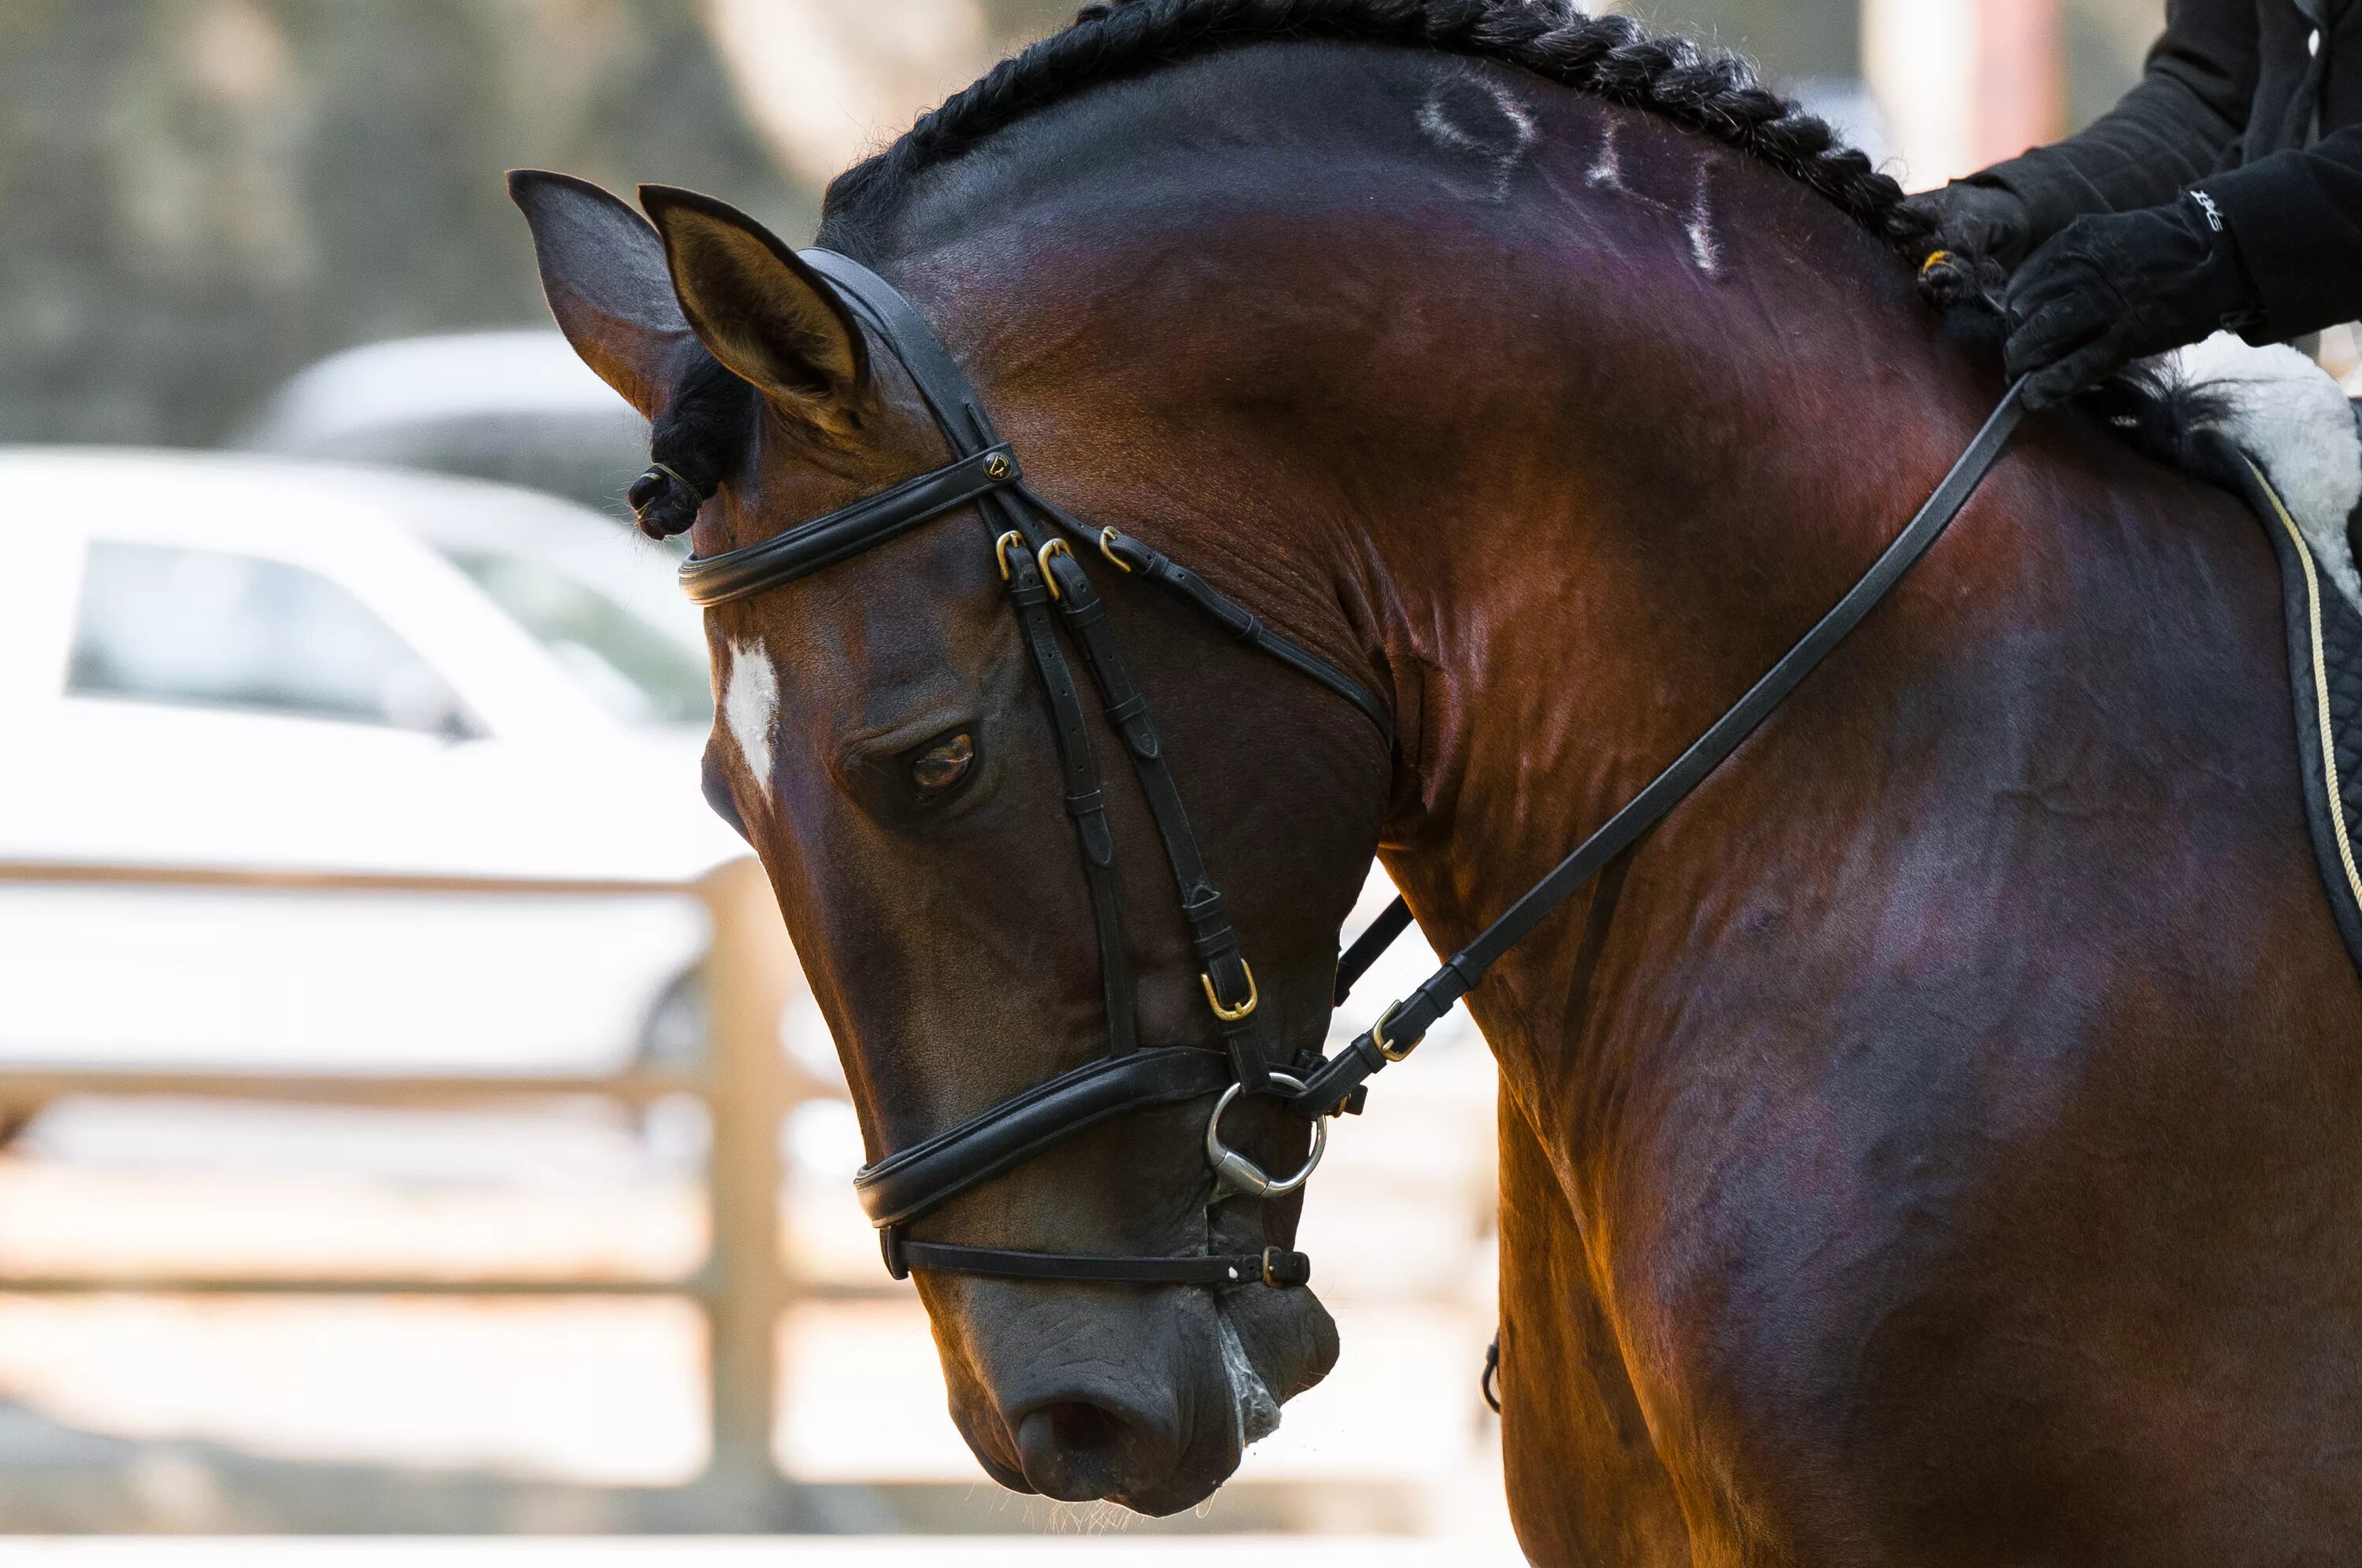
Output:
(1932, 1143)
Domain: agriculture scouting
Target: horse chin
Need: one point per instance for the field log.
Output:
(1287, 1341)
(1146, 1400)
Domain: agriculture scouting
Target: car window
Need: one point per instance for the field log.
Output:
(207, 628)
(637, 672)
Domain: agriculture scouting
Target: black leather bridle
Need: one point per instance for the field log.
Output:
(1044, 574)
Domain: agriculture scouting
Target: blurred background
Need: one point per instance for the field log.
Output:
(411, 1118)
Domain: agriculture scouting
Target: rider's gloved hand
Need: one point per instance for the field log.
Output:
(1984, 223)
(2110, 289)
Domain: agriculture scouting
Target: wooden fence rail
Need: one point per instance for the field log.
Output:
(747, 1082)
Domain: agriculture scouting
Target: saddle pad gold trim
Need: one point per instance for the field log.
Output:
(2320, 680)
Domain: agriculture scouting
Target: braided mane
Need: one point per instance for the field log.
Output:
(699, 438)
(1612, 57)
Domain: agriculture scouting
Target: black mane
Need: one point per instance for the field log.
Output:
(1613, 57)
(702, 435)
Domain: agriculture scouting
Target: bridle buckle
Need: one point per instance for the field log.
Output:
(1214, 998)
(1000, 550)
(1049, 580)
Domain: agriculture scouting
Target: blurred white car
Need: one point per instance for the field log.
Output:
(601, 599)
(235, 663)
(517, 405)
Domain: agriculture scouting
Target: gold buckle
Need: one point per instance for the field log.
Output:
(1269, 1253)
(1107, 548)
(1055, 548)
(1001, 551)
(1214, 1000)
(1378, 1036)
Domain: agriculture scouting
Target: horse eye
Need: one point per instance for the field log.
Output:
(943, 765)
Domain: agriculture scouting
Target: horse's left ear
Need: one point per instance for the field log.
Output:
(603, 269)
(762, 311)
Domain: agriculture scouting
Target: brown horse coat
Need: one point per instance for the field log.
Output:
(1934, 1144)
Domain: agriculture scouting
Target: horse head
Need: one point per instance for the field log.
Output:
(983, 901)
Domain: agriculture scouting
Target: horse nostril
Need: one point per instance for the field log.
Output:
(1084, 1428)
(1073, 1451)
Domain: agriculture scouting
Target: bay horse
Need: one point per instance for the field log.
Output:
(1935, 1143)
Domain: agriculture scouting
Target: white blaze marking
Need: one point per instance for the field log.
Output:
(750, 701)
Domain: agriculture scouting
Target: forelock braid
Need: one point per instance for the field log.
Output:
(699, 440)
(1610, 57)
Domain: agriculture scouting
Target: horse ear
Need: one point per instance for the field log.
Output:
(602, 271)
(760, 308)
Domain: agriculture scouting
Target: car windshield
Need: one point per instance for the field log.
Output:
(216, 629)
(634, 669)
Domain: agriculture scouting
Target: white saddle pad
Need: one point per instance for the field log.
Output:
(2294, 418)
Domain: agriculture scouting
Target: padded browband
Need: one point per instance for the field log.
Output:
(845, 532)
(927, 1175)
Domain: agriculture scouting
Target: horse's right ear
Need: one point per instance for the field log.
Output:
(602, 271)
(761, 310)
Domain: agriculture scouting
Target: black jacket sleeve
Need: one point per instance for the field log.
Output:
(2170, 131)
(2296, 216)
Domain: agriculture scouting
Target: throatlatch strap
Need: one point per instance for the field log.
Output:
(1404, 1025)
(1233, 617)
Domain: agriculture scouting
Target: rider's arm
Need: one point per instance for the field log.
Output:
(2170, 131)
(2297, 215)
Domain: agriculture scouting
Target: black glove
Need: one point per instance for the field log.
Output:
(2108, 290)
(1983, 223)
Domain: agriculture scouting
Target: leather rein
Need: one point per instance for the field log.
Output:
(1046, 583)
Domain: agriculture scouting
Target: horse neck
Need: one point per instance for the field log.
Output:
(1701, 460)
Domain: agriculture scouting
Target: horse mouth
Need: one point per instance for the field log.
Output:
(1158, 1447)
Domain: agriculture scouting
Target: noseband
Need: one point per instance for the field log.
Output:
(1032, 548)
